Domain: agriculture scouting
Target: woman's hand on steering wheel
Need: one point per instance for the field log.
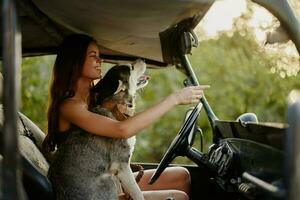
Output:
(190, 94)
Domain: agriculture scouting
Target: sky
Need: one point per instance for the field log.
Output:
(227, 10)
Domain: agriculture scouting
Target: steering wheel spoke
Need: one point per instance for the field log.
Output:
(179, 144)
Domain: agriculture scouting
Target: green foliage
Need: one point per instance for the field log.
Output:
(36, 74)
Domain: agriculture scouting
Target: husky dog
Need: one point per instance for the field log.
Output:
(86, 166)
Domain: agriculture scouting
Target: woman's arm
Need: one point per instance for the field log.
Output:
(78, 114)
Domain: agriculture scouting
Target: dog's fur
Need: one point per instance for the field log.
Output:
(86, 166)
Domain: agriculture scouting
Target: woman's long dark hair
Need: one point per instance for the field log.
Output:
(67, 69)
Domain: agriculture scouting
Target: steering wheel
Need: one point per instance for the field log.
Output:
(180, 143)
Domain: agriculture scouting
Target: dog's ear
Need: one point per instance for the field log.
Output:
(121, 87)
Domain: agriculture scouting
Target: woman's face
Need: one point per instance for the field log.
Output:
(92, 63)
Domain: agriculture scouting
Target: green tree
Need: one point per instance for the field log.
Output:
(36, 74)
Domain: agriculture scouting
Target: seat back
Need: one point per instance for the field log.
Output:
(33, 163)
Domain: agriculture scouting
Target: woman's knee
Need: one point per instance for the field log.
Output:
(165, 194)
(180, 195)
(184, 173)
(184, 178)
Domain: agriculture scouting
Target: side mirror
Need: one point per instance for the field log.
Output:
(188, 41)
(247, 117)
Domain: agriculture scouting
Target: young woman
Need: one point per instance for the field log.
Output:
(78, 63)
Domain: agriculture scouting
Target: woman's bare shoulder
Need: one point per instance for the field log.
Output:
(72, 104)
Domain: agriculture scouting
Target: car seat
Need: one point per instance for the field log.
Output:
(33, 164)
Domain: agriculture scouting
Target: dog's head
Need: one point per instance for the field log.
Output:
(120, 84)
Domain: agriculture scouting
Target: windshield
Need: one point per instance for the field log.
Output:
(248, 18)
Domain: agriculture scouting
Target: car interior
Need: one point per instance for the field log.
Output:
(229, 170)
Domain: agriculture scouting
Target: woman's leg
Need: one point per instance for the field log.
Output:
(164, 194)
(159, 195)
(174, 181)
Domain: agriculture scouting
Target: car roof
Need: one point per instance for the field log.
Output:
(124, 29)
